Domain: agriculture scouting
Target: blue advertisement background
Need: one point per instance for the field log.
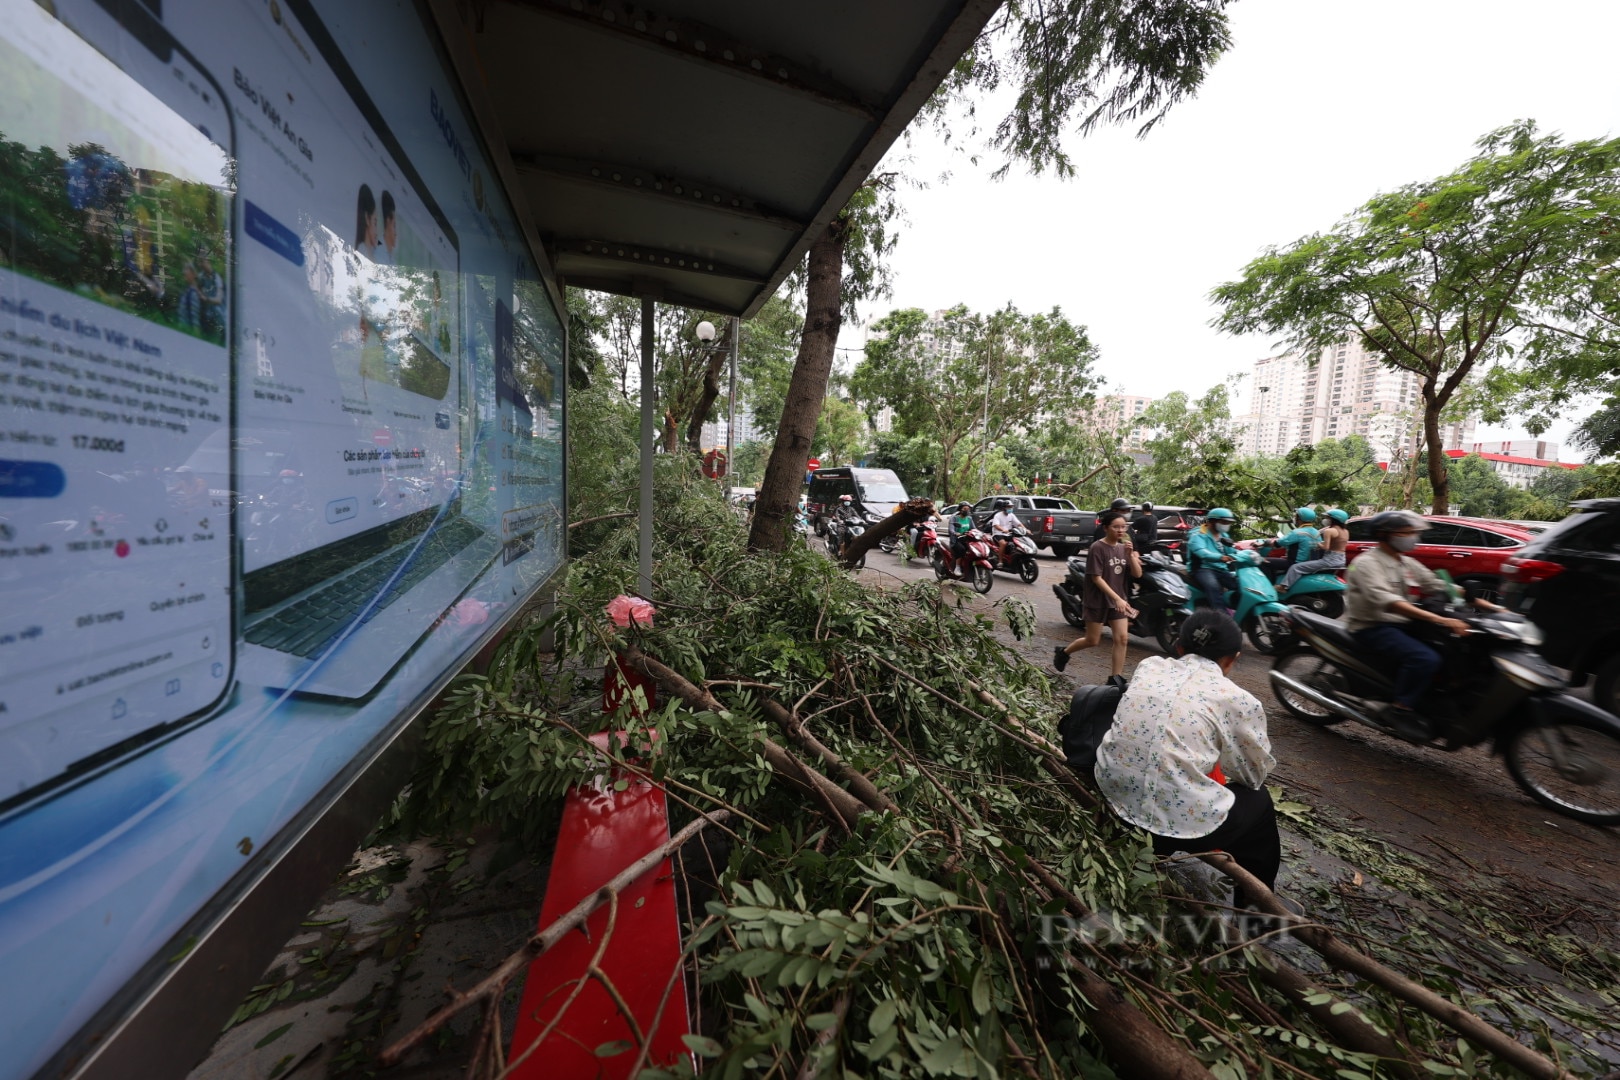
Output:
(97, 875)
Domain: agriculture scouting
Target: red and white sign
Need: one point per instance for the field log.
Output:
(813, 463)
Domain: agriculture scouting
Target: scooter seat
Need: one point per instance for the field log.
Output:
(1317, 626)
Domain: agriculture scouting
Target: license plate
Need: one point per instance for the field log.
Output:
(1071, 538)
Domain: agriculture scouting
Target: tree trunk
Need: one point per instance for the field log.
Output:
(1439, 476)
(909, 514)
(807, 390)
(711, 390)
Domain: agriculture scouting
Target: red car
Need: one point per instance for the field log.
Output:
(1469, 549)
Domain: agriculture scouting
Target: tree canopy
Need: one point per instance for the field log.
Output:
(966, 380)
(1491, 264)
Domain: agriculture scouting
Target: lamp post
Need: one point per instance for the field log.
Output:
(705, 334)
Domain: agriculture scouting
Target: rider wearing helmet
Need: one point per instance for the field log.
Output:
(961, 524)
(1003, 524)
(1330, 556)
(1145, 530)
(1382, 617)
(1117, 508)
(1298, 546)
(1209, 553)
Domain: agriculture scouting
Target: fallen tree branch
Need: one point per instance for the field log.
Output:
(601, 517)
(493, 983)
(910, 513)
(1478, 1032)
(845, 806)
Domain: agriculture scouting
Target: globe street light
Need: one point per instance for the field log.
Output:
(705, 333)
(705, 330)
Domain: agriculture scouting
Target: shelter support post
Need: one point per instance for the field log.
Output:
(731, 407)
(648, 427)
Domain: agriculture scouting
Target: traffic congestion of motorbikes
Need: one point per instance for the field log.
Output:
(1467, 671)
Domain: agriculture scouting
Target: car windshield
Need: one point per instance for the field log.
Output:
(881, 494)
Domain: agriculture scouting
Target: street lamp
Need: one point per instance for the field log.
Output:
(705, 333)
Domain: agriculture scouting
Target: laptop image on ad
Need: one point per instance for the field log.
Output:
(383, 588)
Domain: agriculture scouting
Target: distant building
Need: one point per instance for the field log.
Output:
(1116, 414)
(1518, 470)
(714, 431)
(1347, 391)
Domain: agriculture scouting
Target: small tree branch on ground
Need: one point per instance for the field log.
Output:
(909, 514)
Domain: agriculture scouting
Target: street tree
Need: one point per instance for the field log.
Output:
(841, 431)
(968, 381)
(1447, 277)
(1070, 64)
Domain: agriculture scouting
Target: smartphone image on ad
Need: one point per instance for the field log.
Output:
(117, 551)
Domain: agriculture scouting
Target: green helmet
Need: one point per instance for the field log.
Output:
(1220, 513)
(1338, 515)
(1305, 514)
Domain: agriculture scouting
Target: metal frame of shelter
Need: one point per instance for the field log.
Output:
(689, 155)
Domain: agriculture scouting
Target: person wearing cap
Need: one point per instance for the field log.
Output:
(1145, 530)
(1381, 616)
(1209, 553)
(1178, 720)
(1330, 556)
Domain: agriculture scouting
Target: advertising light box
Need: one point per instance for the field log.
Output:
(281, 409)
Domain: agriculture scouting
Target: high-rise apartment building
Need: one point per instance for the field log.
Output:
(1116, 414)
(1347, 391)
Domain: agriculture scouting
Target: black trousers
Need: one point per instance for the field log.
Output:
(1249, 835)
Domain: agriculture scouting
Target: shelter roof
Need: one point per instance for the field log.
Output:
(693, 153)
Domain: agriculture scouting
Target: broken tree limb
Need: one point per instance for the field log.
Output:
(846, 806)
(493, 983)
(795, 730)
(1478, 1032)
(909, 514)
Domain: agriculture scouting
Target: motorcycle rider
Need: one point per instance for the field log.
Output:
(1179, 719)
(1330, 556)
(1002, 526)
(1380, 615)
(1209, 552)
(1145, 530)
(1117, 508)
(1298, 546)
(961, 524)
(843, 515)
(1111, 563)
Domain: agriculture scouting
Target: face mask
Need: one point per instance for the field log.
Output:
(1221, 527)
(1403, 543)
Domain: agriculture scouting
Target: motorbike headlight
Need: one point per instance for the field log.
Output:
(1520, 630)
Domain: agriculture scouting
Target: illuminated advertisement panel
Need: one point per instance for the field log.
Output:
(281, 407)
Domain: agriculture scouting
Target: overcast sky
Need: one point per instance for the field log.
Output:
(1318, 105)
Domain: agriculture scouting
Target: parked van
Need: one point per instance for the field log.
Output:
(876, 491)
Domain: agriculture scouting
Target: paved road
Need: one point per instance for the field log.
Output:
(1458, 809)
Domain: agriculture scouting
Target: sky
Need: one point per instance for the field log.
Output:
(1318, 105)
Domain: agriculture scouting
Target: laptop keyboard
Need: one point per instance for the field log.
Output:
(305, 628)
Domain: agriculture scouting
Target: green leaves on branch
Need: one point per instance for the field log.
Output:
(962, 380)
(1508, 260)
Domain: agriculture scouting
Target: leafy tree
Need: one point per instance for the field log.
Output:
(1447, 277)
(1599, 482)
(1477, 490)
(968, 379)
(840, 432)
(912, 459)
(1600, 432)
(1192, 448)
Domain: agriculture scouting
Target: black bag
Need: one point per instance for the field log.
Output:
(1091, 714)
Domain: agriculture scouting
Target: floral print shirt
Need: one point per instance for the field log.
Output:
(1177, 720)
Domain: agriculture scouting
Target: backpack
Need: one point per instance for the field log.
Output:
(1090, 715)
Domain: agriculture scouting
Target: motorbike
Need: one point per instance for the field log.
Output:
(1493, 685)
(1255, 605)
(840, 531)
(925, 539)
(1321, 593)
(1162, 599)
(1020, 558)
(974, 567)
